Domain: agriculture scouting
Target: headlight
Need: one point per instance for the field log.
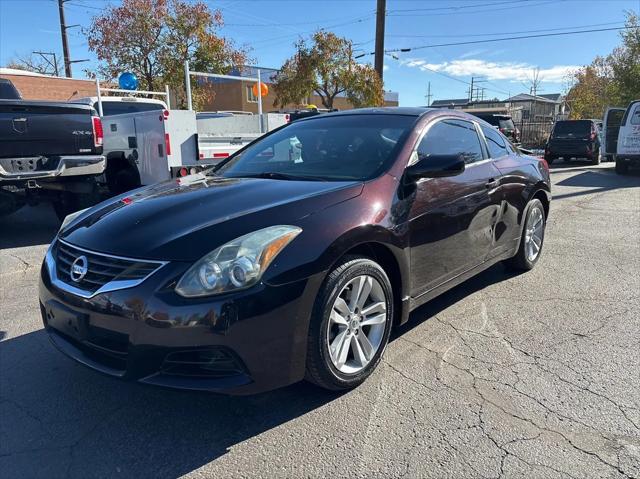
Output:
(69, 218)
(236, 265)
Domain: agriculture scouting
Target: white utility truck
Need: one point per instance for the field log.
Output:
(145, 142)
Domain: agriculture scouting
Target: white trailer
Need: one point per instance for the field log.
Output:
(154, 146)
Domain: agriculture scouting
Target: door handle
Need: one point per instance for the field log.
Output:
(492, 183)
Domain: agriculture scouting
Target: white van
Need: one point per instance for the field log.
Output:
(626, 150)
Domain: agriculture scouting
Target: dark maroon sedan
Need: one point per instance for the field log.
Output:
(295, 257)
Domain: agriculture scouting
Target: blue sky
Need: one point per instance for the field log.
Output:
(268, 30)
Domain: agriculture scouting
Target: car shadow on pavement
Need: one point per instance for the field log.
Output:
(28, 226)
(493, 275)
(597, 182)
(62, 419)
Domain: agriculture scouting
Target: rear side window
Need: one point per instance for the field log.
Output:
(119, 107)
(572, 129)
(451, 137)
(495, 142)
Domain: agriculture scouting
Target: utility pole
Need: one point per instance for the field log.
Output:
(379, 53)
(429, 95)
(65, 43)
(474, 90)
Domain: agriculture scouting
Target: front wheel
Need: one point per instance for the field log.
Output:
(532, 238)
(350, 325)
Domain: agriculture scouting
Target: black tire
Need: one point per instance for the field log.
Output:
(595, 159)
(549, 159)
(521, 261)
(622, 168)
(124, 180)
(320, 368)
(68, 203)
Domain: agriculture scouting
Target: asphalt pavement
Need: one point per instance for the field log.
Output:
(522, 376)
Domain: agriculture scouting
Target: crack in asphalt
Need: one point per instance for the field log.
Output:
(534, 360)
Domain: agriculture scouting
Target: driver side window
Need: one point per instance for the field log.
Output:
(451, 137)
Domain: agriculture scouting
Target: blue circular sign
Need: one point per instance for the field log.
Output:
(128, 81)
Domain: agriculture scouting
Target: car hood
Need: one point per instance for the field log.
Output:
(186, 218)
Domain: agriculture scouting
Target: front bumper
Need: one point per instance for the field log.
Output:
(242, 343)
(79, 165)
(632, 160)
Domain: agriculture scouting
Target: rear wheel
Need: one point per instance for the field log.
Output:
(622, 168)
(532, 238)
(350, 325)
(595, 159)
(549, 159)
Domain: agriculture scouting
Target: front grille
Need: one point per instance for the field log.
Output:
(102, 269)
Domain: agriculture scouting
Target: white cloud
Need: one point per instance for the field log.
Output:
(385, 68)
(508, 71)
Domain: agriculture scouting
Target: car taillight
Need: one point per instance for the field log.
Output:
(545, 165)
(167, 143)
(98, 132)
(287, 118)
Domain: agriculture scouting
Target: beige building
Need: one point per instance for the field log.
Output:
(233, 95)
(236, 95)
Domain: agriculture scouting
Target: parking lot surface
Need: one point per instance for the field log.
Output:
(534, 375)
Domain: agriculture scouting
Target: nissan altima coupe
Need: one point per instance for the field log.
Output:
(295, 257)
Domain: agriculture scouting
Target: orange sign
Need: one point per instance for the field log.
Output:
(264, 89)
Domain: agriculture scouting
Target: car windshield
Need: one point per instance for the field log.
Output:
(572, 129)
(327, 148)
(110, 108)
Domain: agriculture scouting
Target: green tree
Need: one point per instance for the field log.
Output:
(613, 80)
(153, 38)
(327, 67)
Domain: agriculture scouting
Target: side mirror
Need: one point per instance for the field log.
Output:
(436, 166)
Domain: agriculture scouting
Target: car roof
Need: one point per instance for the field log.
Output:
(386, 110)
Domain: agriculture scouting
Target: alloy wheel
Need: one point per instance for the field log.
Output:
(356, 324)
(534, 233)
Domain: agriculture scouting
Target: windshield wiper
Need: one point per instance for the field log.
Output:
(275, 175)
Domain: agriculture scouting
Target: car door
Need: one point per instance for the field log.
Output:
(612, 121)
(509, 192)
(451, 219)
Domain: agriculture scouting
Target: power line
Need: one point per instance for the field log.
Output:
(507, 33)
(464, 12)
(317, 22)
(434, 9)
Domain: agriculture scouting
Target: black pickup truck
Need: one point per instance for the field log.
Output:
(49, 151)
